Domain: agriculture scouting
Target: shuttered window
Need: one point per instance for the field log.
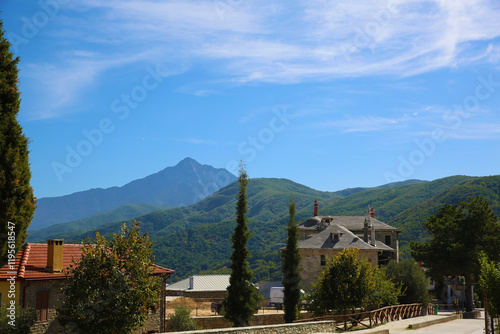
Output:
(42, 305)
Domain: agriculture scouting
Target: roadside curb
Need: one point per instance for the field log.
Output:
(434, 321)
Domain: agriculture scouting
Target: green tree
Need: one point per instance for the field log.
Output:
(291, 268)
(17, 204)
(414, 283)
(385, 291)
(345, 284)
(489, 279)
(111, 286)
(242, 298)
(459, 234)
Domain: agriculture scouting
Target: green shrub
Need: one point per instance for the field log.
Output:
(24, 319)
(181, 320)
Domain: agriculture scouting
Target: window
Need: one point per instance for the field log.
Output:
(42, 305)
(323, 260)
(388, 240)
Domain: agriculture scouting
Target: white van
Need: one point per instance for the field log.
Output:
(276, 297)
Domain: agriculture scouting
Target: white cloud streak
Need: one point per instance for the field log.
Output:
(269, 41)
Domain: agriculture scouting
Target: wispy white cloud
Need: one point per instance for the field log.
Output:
(363, 124)
(268, 41)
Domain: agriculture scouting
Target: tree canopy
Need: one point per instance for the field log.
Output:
(291, 268)
(17, 204)
(459, 235)
(346, 283)
(111, 287)
(414, 284)
(242, 297)
(490, 282)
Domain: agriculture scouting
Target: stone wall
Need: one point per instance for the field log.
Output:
(214, 322)
(311, 263)
(52, 326)
(215, 295)
(31, 288)
(152, 325)
(299, 328)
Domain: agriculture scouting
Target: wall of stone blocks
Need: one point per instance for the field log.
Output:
(31, 288)
(311, 263)
(299, 328)
(214, 322)
(215, 295)
(52, 326)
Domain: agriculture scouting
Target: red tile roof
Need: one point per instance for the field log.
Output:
(31, 261)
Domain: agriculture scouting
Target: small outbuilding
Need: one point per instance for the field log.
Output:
(200, 286)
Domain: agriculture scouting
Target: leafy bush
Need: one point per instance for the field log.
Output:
(181, 320)
(24, 319)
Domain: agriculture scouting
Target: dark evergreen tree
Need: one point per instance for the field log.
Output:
(17, 204)
(242, 297)
(291, 268)
(459, 235)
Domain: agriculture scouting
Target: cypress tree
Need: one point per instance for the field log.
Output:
(291, 268)
(242, 297)
(17, 204)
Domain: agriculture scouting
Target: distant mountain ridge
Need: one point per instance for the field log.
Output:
(196, 239)
(183, 184)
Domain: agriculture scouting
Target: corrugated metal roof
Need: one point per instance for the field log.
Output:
(201, 283)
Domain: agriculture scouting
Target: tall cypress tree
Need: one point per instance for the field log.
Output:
(242, 297)
(291, 268)
(17, 204)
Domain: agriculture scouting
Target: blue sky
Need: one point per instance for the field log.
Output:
(330, 94)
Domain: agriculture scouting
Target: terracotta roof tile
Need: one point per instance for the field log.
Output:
(31, 263)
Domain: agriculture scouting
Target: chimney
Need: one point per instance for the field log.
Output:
(372, 239)
(315, 208)
(55, 255)
(191, 283)
(367, 224)
(365, 230)
(372, 212)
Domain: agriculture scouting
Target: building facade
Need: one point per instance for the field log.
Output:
(322, 237)
(39, 273)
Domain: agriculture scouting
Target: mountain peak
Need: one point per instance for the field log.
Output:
(187, 161)
(184, 184)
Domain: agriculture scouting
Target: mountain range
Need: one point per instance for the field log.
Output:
(195, 238)
(184, 184)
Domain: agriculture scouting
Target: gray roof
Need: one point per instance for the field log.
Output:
(201, 283)
(353, 223)
(347, 239)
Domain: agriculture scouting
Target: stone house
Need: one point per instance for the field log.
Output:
(36, 277)
(200, 286)
(321, 237)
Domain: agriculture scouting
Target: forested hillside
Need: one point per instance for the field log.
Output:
(196, 238)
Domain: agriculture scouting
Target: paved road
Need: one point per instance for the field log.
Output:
(459, 326)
